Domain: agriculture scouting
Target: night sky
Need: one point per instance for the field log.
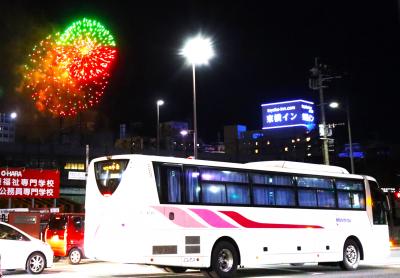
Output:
(264, 51)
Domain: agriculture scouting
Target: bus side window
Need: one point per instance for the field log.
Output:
(273, 190)
(193, 188)
(316, 192)
(350, 194)
(173, 175)
(238, 194)
(213, 193)
(224, 186)
(157, 172)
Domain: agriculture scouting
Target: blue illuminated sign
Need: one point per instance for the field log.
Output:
(288, 114)
(356, 150)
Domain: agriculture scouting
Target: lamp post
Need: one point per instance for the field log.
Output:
(325, 151)
(159, 103)
(12, 117)
(197, 51)
(336, 105)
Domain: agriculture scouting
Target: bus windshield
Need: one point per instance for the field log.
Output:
(108, 175)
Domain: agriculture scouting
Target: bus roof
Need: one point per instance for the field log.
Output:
(301, 166)
(278, 166)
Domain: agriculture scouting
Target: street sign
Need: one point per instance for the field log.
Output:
(74, 175)
(288, 114)
(29, 183)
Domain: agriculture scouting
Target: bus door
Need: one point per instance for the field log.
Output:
(379, 205)
(377, 214)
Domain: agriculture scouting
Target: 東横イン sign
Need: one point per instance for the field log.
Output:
(29, 183)
(288, 114)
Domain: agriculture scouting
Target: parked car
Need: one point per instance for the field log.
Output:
(18, 250)
(64, 233)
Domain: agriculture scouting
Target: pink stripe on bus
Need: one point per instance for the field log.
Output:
(179, 217)
(247, 223)
(212, 218)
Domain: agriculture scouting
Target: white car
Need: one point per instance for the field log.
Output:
(18, 250)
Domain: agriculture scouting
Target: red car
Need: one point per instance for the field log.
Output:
(65, 233)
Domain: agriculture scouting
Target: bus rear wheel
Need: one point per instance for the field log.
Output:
(351, 255)
(224, 260)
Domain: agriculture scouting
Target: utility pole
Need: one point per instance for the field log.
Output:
(350, 138)
(316, 82)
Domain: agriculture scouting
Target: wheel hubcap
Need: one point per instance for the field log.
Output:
(36, 263)
(75, 256)
(225, 260)
(351, 254)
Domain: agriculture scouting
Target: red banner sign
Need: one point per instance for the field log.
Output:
(29, 183)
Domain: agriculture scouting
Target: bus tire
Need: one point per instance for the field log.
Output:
(74, 256)
(175, 269)
(351, 255)
(224, 260)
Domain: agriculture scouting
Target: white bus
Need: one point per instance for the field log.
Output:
(183, 214)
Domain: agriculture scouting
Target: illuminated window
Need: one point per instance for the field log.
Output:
(273, 190)
(74, 166)
(316, 192)
(213, 193)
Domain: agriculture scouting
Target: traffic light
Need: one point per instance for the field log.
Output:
(397, 195)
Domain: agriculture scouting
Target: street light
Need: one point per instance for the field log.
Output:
(13, 116)
(197, 51)
(159, 103)
(184, 134)
(334, 105)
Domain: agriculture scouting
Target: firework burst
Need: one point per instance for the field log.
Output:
(68, 72)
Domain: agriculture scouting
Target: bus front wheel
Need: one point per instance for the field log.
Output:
(351, 255)
(224, 260)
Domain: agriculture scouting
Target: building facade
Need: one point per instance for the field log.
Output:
(7, 128)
